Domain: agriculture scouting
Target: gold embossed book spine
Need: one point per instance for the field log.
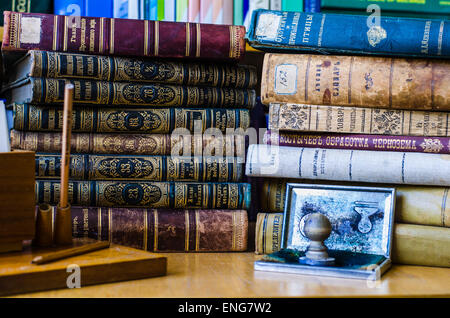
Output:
(358, 120)
(143, 168)
(122, 37)
(51, 91)
(129, 120)
(164, 230)
(396, 83)
(174, 195)
(132, 144)
(121, 69)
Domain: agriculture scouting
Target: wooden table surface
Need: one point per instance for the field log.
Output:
(232, 275)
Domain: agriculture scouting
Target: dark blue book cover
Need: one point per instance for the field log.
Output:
(311, 6)
(349, 34)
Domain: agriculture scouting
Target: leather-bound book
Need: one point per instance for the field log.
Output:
(42, 90)
(164, 230)
(124, 69)
(143, 168)
(112, 120)
(128, 37)
(149, 194)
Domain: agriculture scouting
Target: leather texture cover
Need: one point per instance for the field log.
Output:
(161, 230)
(106, 36)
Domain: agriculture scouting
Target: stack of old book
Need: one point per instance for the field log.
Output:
(149, 164)
(358, 119)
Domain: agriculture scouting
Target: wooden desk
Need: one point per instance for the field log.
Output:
(232, 275)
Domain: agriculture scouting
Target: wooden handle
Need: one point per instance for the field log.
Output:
(70, 252)
(65, 151)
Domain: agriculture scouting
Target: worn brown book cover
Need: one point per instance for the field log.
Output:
(164, 230)
(356, 81)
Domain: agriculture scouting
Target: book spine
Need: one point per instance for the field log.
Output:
(252, 6)
(149, 121)
(169, 10)
(153, 9)
(313, 5)
(348, 165)
(119, 69)
(356, 81)
(106, 36)
(174, 195)
(421, 245)
(238, 12)
(276, 4)
(141, 168)
(292, 5)
(228, 12)
(194, 11)
(160, 10)
(44, 6)
(428, 6)
(182, 10)
(349, 34)
(131, 144)
(217, 13)
(412, 244)
(206, 11)
(414, 205)
(160, 230)
(361, 120)
(51, 91)
(439, 145)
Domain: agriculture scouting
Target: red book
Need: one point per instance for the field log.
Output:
(108, 36)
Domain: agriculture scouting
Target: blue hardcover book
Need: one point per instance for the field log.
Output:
(312, 6)
(87, 8)
(153, 10)
(353, 34)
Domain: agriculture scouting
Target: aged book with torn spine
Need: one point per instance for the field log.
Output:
(127, 37)
(358, 120)
(132, 144)
(146, 120)
(356, 81)
(412, 244)
(141, 168)
(308, 32)
(164, 230)
(414, 204)
(122, 69)
(358, 142)
(348, 165)
(41, 90)
(174, 195)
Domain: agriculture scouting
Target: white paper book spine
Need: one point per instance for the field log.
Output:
(348, 165)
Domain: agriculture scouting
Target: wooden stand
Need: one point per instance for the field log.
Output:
(17, 202)
(117, 263)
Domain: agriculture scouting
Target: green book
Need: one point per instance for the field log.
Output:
(421, 6)
(182, 10)
(160, 10)
(38, 6)
(238, 12)
(292, 5)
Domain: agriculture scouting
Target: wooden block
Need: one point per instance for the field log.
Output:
(117, 263)
(17, 201)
